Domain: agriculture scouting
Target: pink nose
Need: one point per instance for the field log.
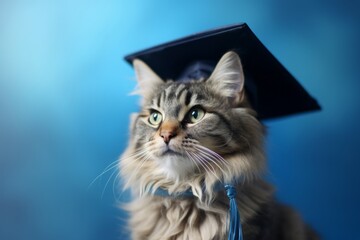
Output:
(168, 130)
(167, 135)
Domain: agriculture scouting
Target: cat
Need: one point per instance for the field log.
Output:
(195, 135)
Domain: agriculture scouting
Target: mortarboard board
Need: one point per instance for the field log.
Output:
(272, 90)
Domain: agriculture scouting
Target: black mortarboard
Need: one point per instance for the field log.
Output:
(272, 90)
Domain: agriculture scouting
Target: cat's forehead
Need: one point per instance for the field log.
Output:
(174, 96)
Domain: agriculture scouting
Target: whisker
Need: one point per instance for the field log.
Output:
(213, 156)
(205, 164)
(117, 178)
(107, 169)
(115, 163)
(143, 153)
(147, 156)
(107, 182)
(201, 162)
(212, 153)
(140, 154)
(193, 160)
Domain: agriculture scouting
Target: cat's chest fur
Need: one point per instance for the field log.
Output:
(157, 218)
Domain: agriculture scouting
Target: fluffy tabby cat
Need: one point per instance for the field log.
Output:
(195, 135)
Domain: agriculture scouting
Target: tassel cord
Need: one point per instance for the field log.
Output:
(235, 229)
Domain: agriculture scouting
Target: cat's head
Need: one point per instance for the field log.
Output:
(202, 128)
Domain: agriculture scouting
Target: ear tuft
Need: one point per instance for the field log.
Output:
(147, 79)
(228, 77)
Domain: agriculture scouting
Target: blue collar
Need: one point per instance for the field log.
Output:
(235, 229)
(164, 193)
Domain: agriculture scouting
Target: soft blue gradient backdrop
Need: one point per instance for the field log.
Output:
(64, 107)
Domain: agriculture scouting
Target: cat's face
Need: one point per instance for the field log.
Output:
(188, 128)
(183, 126)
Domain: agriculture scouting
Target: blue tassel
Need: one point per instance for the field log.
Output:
(235, 230)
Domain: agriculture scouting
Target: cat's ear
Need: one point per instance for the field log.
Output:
(147, 79)
(228, 77)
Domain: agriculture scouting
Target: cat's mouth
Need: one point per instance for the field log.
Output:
(171, 152)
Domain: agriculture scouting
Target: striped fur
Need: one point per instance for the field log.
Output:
(225, 144)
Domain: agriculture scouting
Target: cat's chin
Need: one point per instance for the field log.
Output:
(175, 166)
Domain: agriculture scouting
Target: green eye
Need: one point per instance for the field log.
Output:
(195, 114)
(155, 118)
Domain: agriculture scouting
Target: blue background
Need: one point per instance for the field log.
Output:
(64, 107)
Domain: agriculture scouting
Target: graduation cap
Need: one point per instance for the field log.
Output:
(271, 89)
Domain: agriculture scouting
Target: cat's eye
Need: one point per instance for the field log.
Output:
(195, 115)
(155, 118)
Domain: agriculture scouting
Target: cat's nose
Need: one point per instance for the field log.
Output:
(167, 135)
(169, 130)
